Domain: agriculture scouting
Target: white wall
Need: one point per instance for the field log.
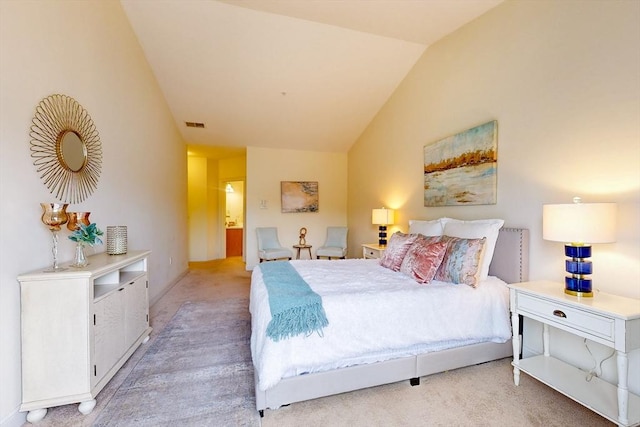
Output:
(562, 78)
(563, 81)
(198, 208)
(266, 168)
(88, 51)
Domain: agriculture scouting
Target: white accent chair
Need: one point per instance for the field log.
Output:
(336, 244)
(269, 247)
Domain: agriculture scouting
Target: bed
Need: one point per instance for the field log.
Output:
(351, 353)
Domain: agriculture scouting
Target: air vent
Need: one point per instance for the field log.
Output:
(194, 124)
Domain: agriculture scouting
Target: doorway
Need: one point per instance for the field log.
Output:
(234, 218)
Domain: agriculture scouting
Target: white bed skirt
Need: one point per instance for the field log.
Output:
(321, 384)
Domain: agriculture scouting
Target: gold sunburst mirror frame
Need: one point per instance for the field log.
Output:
(66, 148)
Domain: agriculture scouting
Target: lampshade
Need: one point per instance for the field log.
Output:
(579, 225)
(382, 216)
(579, 222)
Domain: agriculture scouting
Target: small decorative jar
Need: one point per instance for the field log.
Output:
(116, 239)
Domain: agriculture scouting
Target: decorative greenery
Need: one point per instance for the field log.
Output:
(87, 234)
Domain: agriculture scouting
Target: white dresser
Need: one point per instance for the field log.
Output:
(606, 319)
(79, 326)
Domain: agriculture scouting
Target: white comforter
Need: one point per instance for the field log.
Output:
(375, 314)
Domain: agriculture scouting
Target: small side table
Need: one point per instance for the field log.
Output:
(372, 250)
(299, 247)
(607, 319)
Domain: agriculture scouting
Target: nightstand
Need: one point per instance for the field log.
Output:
(372, 250)
(607, 319)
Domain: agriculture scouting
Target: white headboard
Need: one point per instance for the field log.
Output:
(511, 257)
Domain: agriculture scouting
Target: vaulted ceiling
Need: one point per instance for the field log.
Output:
(297, 74)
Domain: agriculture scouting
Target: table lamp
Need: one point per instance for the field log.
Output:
(382, 218)
(579, 225)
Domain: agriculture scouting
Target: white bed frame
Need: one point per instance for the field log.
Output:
(510, 263)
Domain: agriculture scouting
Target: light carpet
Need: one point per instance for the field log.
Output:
(481, 395)
(197, 373)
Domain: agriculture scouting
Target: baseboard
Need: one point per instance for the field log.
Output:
(15, 419)
(168, 287)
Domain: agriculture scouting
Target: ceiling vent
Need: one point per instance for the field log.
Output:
(194, 124)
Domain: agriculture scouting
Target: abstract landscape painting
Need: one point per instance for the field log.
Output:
(299, 196)
(462, 169)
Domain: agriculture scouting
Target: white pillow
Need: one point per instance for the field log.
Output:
(426, 228)
(476, 229)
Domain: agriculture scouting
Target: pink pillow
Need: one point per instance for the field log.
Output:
(399, 244)
(461, 262)
(423, 259)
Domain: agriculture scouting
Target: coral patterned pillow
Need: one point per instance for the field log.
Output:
(461, 262)
(423, 259)
(399, 244)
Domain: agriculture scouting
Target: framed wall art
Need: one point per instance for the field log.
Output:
(299, 196)
(462, 169)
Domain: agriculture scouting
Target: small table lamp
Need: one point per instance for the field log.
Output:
(578, 225)
(382, 218)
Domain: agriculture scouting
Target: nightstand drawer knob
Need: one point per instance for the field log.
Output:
(559, 313)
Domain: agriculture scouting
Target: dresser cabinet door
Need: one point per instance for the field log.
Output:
(137, 310)
(55, 327)
(109, 332)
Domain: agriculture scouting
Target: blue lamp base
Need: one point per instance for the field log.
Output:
(382, 235)
(578, 285)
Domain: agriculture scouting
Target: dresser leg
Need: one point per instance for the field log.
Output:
(85, 408)
(36, 415)
(623, 391)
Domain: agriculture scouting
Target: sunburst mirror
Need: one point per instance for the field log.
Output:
(66, 148)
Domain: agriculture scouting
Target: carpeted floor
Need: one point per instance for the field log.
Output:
(197, 373)
(179, 355)
(481, 395)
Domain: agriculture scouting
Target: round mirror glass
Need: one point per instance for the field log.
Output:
(72, 151)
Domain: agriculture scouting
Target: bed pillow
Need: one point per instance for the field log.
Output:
(461, 261)
(399, 244)
(477, 229)
(426, 228)
(423, 258)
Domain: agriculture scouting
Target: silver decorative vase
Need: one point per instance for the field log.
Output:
(116, 239)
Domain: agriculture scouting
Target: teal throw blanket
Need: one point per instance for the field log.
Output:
(295, 308)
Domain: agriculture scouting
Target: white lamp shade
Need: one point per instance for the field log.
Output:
(382, 216)
(580, 222)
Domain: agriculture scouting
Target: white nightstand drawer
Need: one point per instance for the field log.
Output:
(370, 253)
(372, 250)
(561, 314)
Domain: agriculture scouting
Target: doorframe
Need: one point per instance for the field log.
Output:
(222, 216)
